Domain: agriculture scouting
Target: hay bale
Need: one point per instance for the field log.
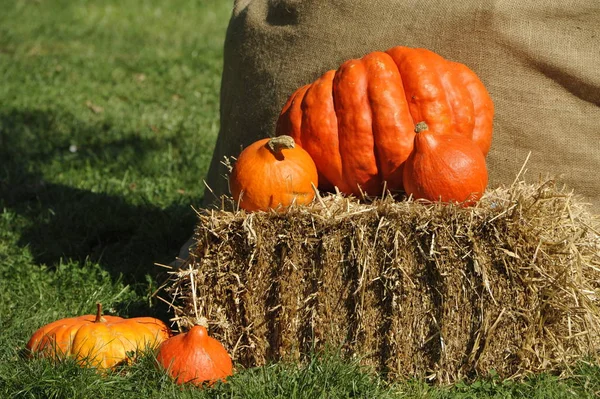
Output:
(415, 290)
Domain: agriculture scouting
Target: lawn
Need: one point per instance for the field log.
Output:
(108, 116)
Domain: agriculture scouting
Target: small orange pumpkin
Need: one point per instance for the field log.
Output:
(444, 167)
(195, 357)
(96, 340)
(272, 174)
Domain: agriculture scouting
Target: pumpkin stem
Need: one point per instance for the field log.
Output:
(421, 126)
(197, 333)
(201, 321)
(99, 318)
(276, 144)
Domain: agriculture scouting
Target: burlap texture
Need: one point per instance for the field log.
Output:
(538, 58)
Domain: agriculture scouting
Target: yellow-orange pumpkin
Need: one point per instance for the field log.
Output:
(96, 340)
(273, 174)
(195, 357)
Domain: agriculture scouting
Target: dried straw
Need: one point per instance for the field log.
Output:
(431, 291)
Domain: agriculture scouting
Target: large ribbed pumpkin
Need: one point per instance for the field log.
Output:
(358, 122)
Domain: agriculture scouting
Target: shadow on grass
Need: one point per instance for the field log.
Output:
(125, 233)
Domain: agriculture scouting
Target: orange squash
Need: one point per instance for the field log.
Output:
(444, 167)
(195, 357)
(273, 174)
(357, 122)
(96, 340)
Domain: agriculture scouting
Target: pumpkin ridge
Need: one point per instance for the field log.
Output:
(370, 109)
(355, 128)
(114, 346)
(458, 98)
(38, 336)
(296, 108)
(483, 106)
(84, 345)
(424, 91)
(330, 96)
(335, 152)
(319, 129)
(58, 340)
(368, 60)
(392, 121)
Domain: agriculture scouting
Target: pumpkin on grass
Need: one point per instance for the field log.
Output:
(273, 174)
(96, 340)
(444, 167)
(357, 122)
(195, 357)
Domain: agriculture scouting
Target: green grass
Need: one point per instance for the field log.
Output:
(108, 116)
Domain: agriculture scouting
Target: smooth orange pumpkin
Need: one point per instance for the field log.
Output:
(357, 122)
(195, 357)
(444, 167)
(96, 340)
(272, 174)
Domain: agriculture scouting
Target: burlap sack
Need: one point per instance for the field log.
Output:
(538, 58)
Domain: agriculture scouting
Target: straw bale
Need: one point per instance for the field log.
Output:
(414, 289)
